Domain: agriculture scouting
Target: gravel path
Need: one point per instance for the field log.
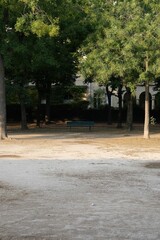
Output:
(79, 187)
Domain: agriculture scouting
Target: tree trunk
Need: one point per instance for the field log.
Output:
(146, 120)
(48, 99)
(119, 125)
(23, 116)
(3, 131)
(109, 95)
(39, 109)
(129, 110)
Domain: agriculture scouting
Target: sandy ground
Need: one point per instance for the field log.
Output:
(61, 185)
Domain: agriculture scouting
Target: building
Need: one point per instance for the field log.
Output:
(96, 95)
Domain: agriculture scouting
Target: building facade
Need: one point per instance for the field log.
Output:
(96, 95)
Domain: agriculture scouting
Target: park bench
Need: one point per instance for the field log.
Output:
(88, 124)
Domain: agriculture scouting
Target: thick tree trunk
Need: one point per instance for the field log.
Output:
(3, 131)
(146, 120)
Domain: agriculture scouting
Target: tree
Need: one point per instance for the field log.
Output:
(109, 92)
(125, 41)
(54, 60)
(3, 133)
(14, 16)
(56, 25)
(115, 87)
(19, 71)
(129, 108)
(3, 18)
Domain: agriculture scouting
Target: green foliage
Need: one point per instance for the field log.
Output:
(71, 94)
(35, 19)
(51, 57)
(125, 42)
(36, 26)
(14, 93)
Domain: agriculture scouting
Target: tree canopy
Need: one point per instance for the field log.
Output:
(41, 41)
(125, 43)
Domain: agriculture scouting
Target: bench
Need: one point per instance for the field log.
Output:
(88, 124)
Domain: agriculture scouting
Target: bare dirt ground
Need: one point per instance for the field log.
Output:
(63, 185)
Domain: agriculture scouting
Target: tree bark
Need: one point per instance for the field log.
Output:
(23, 116)
(109, 96)
(129, 110)
(119, 125)
(39, 109)
(3, 131)
(48, 103)
(146, 120)
(23, 107)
